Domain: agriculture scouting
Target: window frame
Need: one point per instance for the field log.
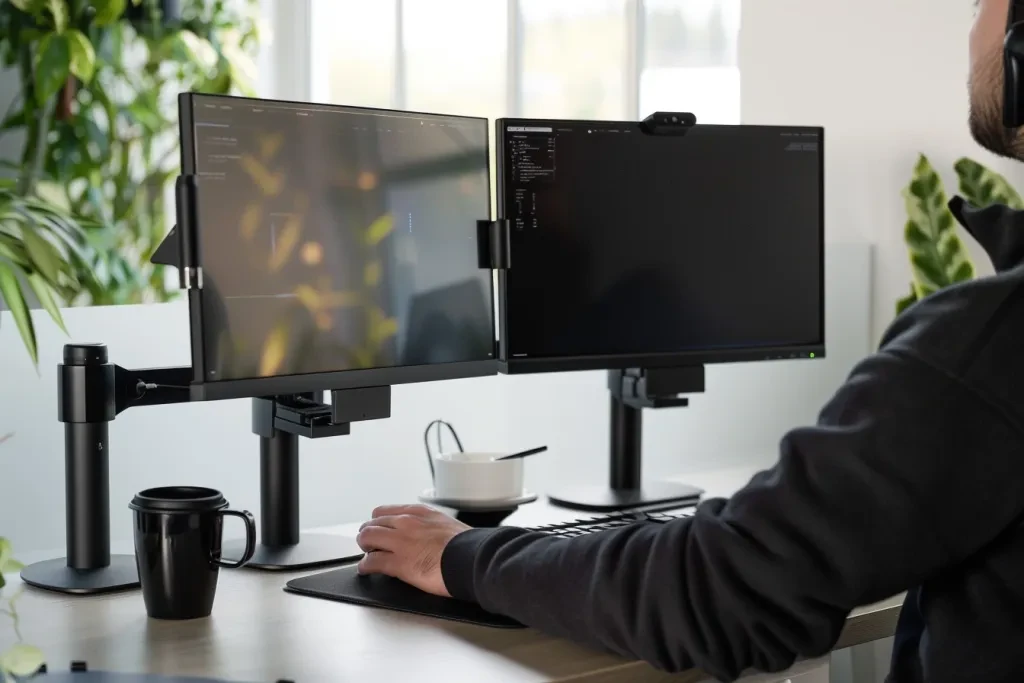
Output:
(299, 44)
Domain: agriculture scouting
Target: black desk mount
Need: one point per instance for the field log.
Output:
(631, 391)
(92, 391)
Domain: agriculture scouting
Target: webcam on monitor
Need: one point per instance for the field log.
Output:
(668, 123)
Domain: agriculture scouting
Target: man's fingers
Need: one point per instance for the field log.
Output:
(389, 521)
(374, 538)
(376, 562)
(395, 510)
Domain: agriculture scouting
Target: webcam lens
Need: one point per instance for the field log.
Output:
(675, 119)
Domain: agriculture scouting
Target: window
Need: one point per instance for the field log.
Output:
(453, 64)
(690, 58)
(611, 59)
(353, 52)
(574, 59)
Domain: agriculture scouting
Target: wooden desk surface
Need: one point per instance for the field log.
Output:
(259, 633)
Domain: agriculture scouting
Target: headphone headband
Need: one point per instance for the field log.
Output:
(1013, 67)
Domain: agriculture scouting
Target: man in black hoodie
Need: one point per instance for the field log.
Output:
(911, 480)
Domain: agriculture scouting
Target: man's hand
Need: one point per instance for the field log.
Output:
(406, 542)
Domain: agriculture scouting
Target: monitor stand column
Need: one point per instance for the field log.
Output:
(626, 490)
(282, 546)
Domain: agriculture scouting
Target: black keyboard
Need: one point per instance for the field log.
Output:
(592, 525)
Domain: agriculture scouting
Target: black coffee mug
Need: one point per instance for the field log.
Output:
(178, 533)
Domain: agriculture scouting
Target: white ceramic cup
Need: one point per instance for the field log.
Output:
(477, 477)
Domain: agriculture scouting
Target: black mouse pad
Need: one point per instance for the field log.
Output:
(347, 585)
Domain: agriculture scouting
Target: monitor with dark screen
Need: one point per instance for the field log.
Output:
(629, 248)
(328, 235)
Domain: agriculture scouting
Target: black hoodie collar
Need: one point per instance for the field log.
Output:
(997, 228)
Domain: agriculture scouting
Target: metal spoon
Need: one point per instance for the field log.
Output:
(522, 454)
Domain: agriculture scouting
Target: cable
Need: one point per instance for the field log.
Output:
(142, 386)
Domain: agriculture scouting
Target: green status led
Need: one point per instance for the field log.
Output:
(812, 355)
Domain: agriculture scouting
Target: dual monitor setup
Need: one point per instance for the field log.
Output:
(346, 250)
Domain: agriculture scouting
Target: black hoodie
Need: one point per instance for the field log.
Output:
(911, 480)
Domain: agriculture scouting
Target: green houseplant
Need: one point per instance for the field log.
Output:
(20, 659)
(41, 249)
(96, 111)
(938, 257)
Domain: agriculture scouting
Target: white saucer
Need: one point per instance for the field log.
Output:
(477, 505)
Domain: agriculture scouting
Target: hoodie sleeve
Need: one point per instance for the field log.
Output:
(856, 510)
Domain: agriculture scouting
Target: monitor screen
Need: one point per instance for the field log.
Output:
(708, 245)
(336, 238)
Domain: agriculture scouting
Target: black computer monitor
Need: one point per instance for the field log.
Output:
(651, 250)
(634, 249)
(327, 236)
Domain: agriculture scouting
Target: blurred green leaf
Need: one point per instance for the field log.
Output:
(52, 66)
(15, 119)
(6, 551)
(82, 55)
(59, 12)
(29, 6)
(10, 290)
(22, 660)
(108, 11)
(983, 187)
(44, 256)
(45, 295)
(907, 301)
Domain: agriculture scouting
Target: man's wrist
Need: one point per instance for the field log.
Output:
(457, 563)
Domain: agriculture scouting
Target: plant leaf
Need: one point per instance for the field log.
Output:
(10, 290)
(108, 11)
(938, 257)
(59, 11)
(14, 120)
(22, 660)
(45, 257)
(983, 187)
(6, 553)
(26, 5)
(45, 295)
(82, 59)
(52, 66)
(907, 301)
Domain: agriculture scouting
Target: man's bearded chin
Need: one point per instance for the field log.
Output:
(986, 117)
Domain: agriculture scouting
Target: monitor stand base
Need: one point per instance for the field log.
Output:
(57, 576)
(604, 499)
(312, 551)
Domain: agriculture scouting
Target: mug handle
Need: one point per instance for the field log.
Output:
(250, 538)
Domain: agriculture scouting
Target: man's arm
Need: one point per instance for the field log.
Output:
(907, 472)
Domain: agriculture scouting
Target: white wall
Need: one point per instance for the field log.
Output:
(887, 78)
(737, 422)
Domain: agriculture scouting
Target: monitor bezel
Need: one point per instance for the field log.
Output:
(510, 366)
(202, 389)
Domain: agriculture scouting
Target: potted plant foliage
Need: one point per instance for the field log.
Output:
(20, 659)
(82, 206)
(938, 257)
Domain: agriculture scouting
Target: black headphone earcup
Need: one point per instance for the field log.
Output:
(1013, 75)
